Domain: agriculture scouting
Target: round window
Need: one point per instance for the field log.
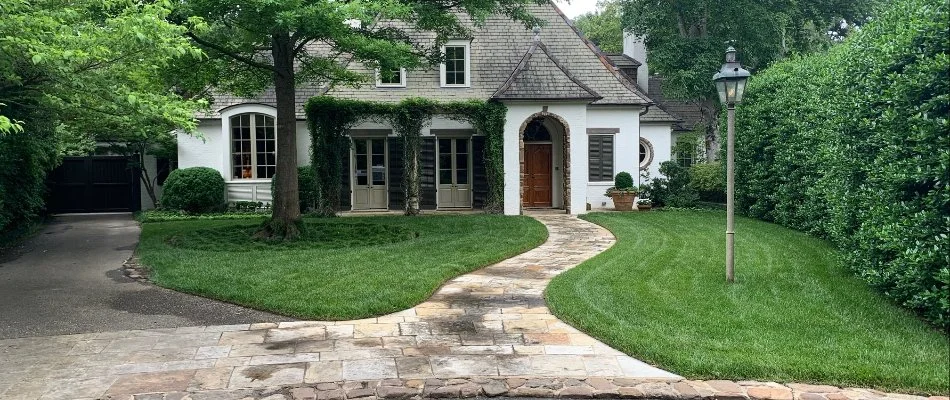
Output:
(646, 153)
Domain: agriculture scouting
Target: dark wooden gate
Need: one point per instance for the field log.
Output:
(94, 184)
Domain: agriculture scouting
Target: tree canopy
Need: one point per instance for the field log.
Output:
(603, 26)
(94, 64)
(259, 44)
(686, 40)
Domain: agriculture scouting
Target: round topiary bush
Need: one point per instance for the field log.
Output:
(623, 180)
(194, 190)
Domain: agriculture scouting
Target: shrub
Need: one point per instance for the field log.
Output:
(709, 182)
(851, 145)
(194, 190)
(306, 186)
(623, 180)
(674, 190)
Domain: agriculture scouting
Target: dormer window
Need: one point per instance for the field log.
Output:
(456, 70)
(392, 78)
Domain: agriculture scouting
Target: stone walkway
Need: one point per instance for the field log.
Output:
(489, 323)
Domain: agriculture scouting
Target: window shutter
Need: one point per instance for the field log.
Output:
(600, 158)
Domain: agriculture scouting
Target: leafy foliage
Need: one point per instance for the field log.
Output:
(852, 145)
(623, 180)
(330, 118)
(26, 157)
(603, 26)
(194, 190)
(709, 182)
(686, 40)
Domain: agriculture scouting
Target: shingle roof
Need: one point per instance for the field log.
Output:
(539, 75)
(623, 61)
(689, 114)
(497, 48)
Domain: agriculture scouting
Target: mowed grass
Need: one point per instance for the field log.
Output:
(343, 269)
(794, 314)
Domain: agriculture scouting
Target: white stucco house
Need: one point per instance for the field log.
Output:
(575, 118)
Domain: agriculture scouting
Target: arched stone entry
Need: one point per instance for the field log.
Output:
(544, 143)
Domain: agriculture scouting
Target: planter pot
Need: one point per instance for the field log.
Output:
(623, 201)
(644, 207)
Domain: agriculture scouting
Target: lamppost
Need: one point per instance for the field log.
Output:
(730, 83)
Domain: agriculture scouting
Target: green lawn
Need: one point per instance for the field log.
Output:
(794, 313)
(344, 268)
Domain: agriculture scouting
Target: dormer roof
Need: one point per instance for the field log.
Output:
(540, 76)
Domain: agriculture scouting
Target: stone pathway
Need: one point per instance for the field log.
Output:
(487, 333)
(489, 323)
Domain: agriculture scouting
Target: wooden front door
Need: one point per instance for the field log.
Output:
(537, 179)
(370, 180)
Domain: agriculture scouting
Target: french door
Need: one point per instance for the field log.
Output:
(455, 167)
(370, 179)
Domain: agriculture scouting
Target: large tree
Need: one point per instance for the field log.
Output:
(686, 39)
(602, 26)
(259, 44)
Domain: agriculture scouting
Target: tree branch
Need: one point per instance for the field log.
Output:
(221, 49)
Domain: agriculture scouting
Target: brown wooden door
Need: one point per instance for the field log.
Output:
(537, 180)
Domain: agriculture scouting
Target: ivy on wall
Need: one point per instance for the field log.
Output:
(329, 120)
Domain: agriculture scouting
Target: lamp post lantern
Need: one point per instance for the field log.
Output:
(730, 83)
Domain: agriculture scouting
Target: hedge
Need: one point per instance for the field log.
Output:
(26, 157)
(853, 145)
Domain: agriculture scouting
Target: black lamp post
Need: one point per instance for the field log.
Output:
(730, 83)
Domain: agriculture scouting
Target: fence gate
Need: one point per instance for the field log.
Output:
(94, 184)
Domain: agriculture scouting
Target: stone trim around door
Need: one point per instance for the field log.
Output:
(565, 158)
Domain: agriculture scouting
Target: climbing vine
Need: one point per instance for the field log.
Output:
(330, 119)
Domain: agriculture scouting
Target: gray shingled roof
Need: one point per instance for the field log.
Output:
(689, 114)
(498, 46)
(541, 76)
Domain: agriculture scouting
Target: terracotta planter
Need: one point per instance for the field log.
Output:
(644, 207)
(623, 201)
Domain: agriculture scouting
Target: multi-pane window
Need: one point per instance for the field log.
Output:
(253, 146)
(600, 150)
(391, 78)
(455, 70)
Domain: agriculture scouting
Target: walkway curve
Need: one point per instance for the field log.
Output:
(489, 323)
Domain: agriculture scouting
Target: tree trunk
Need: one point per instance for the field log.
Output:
(285, 218)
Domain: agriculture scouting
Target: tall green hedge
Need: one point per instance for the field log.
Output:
(854, 145)
(26, 157)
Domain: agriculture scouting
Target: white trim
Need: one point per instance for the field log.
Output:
(468, 63)
(402, 80)
(648, 158)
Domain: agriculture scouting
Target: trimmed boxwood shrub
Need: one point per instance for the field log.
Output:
(623, 180)
(194, 190)
(852, 145)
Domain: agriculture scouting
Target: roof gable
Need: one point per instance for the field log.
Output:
(540, 75)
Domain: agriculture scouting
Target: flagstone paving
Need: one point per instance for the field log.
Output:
(492, 322)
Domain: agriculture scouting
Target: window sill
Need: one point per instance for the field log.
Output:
(456, 86)
(266, 180)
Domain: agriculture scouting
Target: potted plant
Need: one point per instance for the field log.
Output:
(644, 204)
(623, 193)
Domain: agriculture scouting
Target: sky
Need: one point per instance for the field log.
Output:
(576, 7)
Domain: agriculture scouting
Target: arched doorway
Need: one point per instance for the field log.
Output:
(544, 160)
